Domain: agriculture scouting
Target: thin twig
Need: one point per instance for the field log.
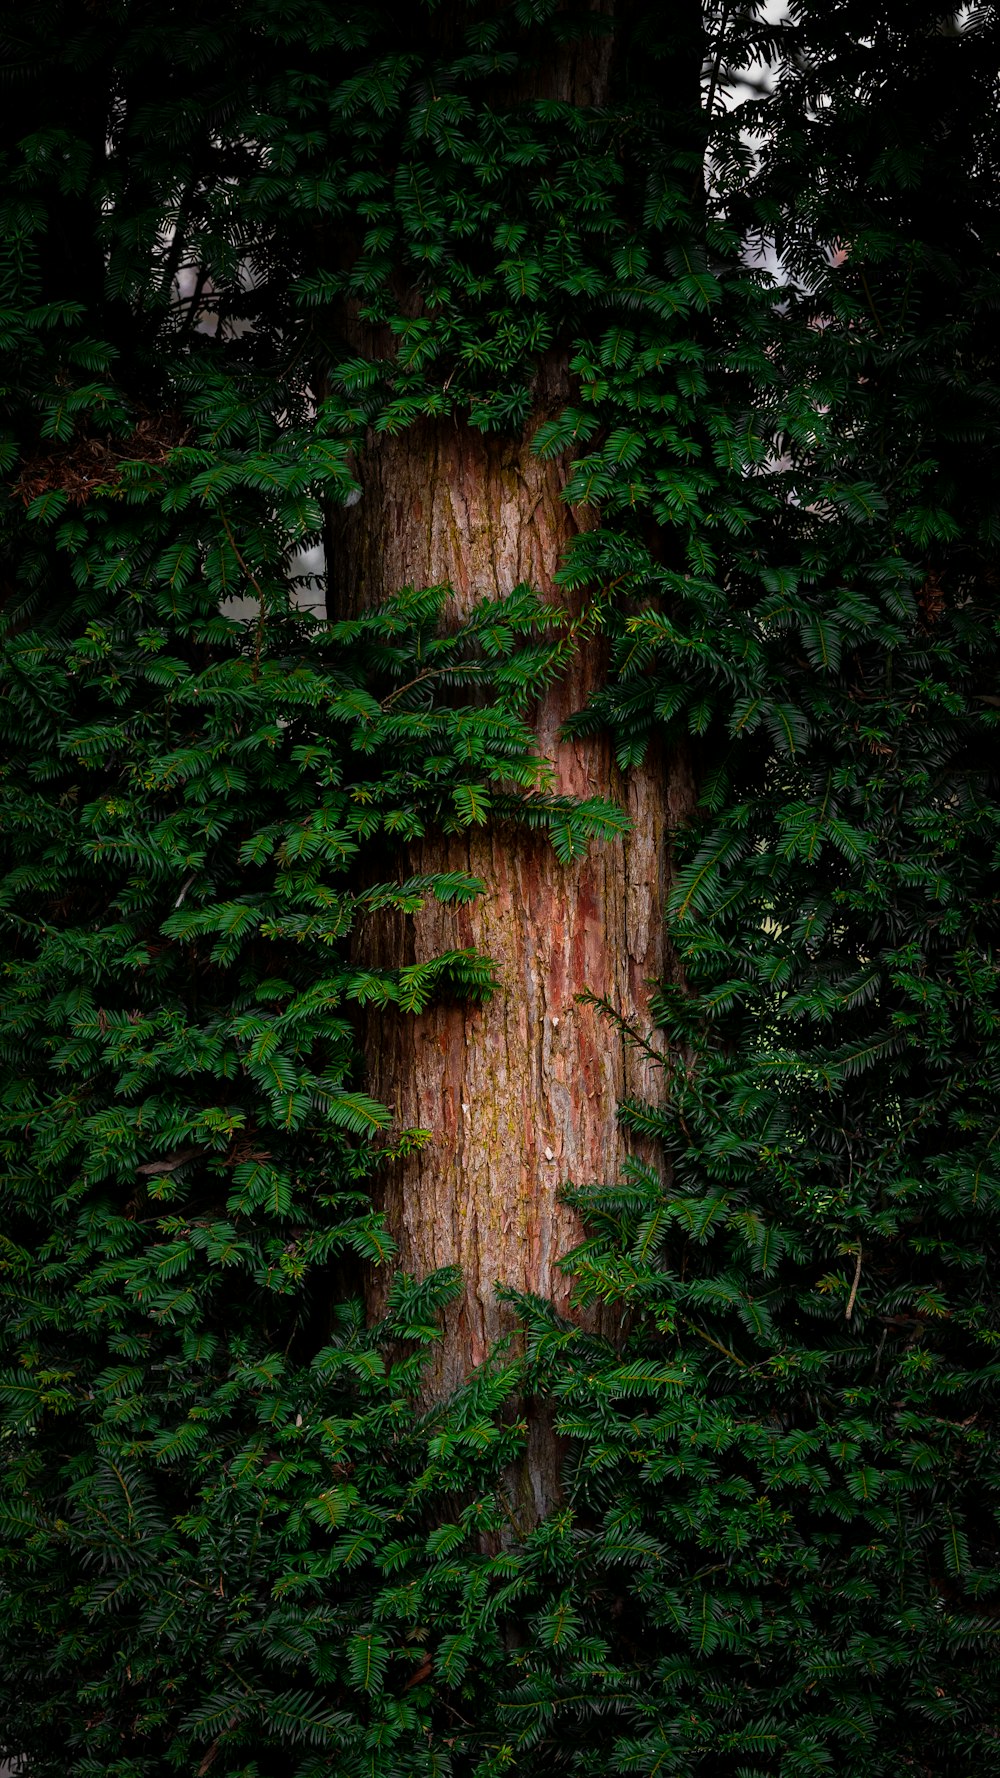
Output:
(192, 303)
(254, 582)
(871, 301)
(849, 1311)
(719, 1347)
(717, 61)
(471, 669)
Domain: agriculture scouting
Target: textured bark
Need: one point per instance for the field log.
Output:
(520, 1095)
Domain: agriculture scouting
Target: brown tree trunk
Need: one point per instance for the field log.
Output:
(522, 1094)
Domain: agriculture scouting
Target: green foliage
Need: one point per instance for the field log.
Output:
(233, 1541)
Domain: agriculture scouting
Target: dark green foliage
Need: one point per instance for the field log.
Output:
(231, 1541)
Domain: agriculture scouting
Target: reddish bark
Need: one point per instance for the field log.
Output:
(520, 1095)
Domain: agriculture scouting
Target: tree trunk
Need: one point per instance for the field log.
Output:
(520, 1095)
